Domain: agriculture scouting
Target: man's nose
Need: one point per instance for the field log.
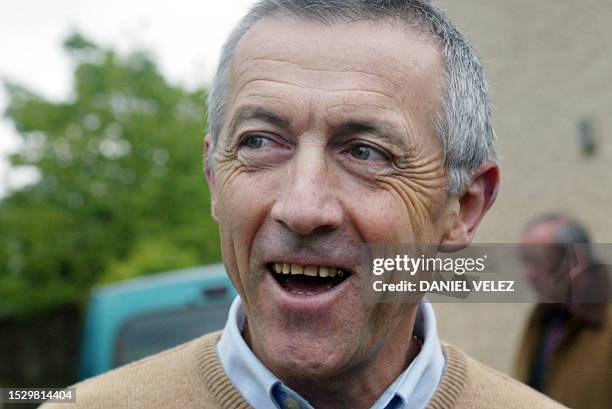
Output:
(308, 201)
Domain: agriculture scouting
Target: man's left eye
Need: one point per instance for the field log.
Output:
(366, 152)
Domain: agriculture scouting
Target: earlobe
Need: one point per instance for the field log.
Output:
(472, 206)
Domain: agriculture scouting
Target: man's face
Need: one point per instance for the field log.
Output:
(328, 144)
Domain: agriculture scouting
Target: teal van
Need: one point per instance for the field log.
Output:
(142, 316)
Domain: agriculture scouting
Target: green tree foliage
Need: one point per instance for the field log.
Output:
(121, 191)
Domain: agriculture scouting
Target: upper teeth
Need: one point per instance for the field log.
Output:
(313, 271)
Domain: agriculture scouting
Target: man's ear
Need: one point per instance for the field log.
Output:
(210, 176)
(473, 205)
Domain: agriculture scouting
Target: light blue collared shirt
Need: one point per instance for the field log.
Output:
(412, 389)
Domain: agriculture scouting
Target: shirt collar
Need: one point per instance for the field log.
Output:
(262, 389)
(254, 381)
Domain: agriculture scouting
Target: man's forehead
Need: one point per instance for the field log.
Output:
(378, 50)
(356, 68)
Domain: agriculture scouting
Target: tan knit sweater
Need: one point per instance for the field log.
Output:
(190, 376)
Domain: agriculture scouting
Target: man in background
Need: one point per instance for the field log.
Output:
(566, 349)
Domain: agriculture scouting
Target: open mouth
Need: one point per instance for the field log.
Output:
(307, 280)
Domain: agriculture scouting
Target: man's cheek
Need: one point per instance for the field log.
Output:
(236, 235)
(230, 257)
(418, 202)
(390, 216)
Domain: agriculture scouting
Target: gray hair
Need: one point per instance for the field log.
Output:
(463, 120)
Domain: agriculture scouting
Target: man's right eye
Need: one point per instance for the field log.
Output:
(262, 148)
(254, 141)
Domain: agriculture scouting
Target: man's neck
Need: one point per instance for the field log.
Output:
(363, 386)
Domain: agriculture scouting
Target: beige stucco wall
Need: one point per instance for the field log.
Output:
(549, 64)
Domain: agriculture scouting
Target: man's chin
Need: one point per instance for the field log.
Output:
(305, 336)
(307, 363)
(302, 352)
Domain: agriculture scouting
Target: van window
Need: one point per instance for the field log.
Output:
(154, 332)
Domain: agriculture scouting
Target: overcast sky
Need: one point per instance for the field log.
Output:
(184, 35)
